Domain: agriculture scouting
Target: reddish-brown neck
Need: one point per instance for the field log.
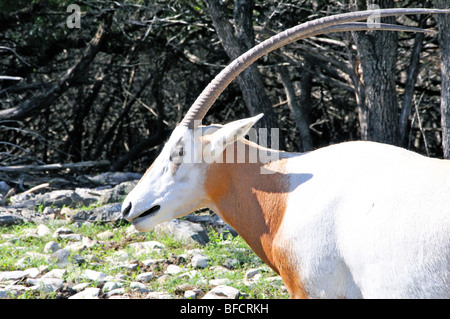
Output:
(250, 202)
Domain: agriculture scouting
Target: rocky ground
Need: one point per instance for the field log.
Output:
(73, 243)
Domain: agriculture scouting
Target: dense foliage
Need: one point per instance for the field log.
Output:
(119, 98)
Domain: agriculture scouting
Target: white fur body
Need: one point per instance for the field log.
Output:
(368, 220)
(352, 220)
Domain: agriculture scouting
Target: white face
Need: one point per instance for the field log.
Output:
(172, 186)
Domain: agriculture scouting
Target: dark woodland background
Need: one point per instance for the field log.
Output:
(111, 91)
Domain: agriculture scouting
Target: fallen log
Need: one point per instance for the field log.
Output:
(52, 167)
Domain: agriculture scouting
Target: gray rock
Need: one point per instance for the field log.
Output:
(42, 230)
(93, 275)
(88, 195)
(163, 278)
(67, 212)
(111, 285)
(211, 219)
(139, 287)
(190, 294)
(77, 259)
(173, 270)
(220, 270)
(249, 274)
(23, 200)
(203, 219)
(4, 188)
(55, 273)
(32, 272)
(15, 290)
(158, 295)
(151, 262)
(88, 293)
(89, 242)
(200, 261)
(120, 278)
(107, 213)
(147, 246)
(60, 258)
(23, 214)
(4, 293)
(114, 178)
(116, 194)
(48, 210)
(105, 235)
(58, 198)
(252, 276)
(115, 292)
(219, 282)
(67, 234)
(145, 277)
(70, 237)
(231, 263)
(183, 230)
(62, 231)
(8, 219)
(127, 266)
(13, 275)
(51, 247)
(222, 292)
(45, 288)
(55, 283)
(80, 287)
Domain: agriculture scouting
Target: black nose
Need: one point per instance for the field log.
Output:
(126, 210)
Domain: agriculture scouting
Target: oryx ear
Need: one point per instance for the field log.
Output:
(231, 132)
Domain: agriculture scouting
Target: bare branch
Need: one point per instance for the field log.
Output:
(52, 167)
(62, 85)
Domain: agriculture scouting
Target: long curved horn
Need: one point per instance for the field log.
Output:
(335, 23)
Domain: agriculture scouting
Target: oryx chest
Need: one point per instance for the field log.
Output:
(307, 236)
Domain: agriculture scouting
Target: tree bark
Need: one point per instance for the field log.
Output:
(413, 71)
(299, 110)
(235, 42)
(377, 50)
(444, 42)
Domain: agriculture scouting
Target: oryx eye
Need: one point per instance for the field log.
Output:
(177, 154)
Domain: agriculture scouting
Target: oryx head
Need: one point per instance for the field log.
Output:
(173, 186)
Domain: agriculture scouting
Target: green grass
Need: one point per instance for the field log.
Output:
(99, 258)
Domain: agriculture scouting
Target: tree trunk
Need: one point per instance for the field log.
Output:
(413, 71)
(377, 50)
(444, 42)
(299, 110)
(237, 42)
